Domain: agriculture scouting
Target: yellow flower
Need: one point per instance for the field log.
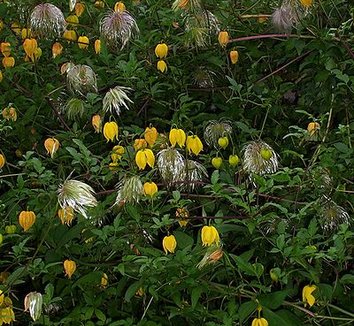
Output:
(79, 9)
(104, 280)
(161, 66)
(161, 50)
(306, 3)
(233, 160)
(223, 142)
(51, 145)
(83, 42)
(216, 162)
(5, 48)
(143, 157)
(98, 46)
(70, 35)
(177, 136)
(117, 153)
(96, 122)
(26, 219)
(9, 114)
(169, 244)
(69, 267)
(110, 131)
(99, 4)
(72, 19)
(150, 135)
(210, 235)
(66, 215)
(119, 6)
(307, 296)
(223, 38)
(259, 322)
(194, 144)
(139, 143)
(150, 189)
(15, 27)
(233, 56)
(26, 33)
(313, 127)
(10, 229)
(8, 62)
(7, 315)
(57, 49)
(30, 46)
(2, 161)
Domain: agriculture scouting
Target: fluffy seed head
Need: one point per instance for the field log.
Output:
(214, 130)
(171, 165)
(285, 18)
(129, 190)
(332, 214)
(81, 79)
(115, 99)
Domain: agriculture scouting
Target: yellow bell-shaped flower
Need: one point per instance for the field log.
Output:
(143, 157)
(8, 62)
(161, 66)
(233, 56)
(79, 9)
(2, 161)
(233, 160)
(119, 6)
(139, 143)
(161, 50)
(306, 3)
(83, 42)
(57, 49)
(70, 35)
(51, 145)
(177, 136)
(110, 131)
(72, 19)
(210, 235)
(194, 145)
(98, 46)
(223, 38)
(117, 153)
(26, 33)
(307, 296)
(69, 267)
(216, 162)
(5, 48)
(223, 142)
(30, 46)
(313, 127)
(96, 122)
(66, 215)
(104, 281)
(150, 189)
(9, 114)
(26, 219)
(150, 135)
(169, 244)
(259, 322)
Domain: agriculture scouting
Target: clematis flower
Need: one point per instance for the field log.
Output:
(177, 136)
(69, 267)
(194, 144)
(151, 135)
(307, 296)
(169, 244)
(143, 157)
(223, 38)
(210, 235)
(83, 42)
(51, 145)
(26, 219)
(259, 322)
(150, 189)
(215, 130)
(161, 66)
(161, 50)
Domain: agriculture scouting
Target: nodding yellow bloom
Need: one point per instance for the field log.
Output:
(79, 9)
(96, 122)
(83, 42)
(8, 62)
(210, 235)
(161, 50)
(306, 3)
(117, 153)
(70, 35)
(151, 135)
(233, 56)
(216, 162)
(139, 143)
(99, 4)
(26, 33)
(66, 215)
(194, 145)
(161, 66)
(143, 157)
(30, 46)
(2, 161)
(233, 160)
(119, 6)
(26, 219)
(15, 27)
(169, 244)
(72, 19)
(223, 38)
(10, 229)
(307, 296)
(7, 314)
(9, 114)
(150, 189)
(57, 49)
(5, 48)
(51, 145)
(223, 142)
(259, 322)
(98, 46)
(177, 136)
(69, 267)
(104, 280)
(313, 127)
(110, 131)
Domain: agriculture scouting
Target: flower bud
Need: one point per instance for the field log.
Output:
(104, 281)
(216, 162)
(26, 219)
(223, 38)
(69, 267)
(10, 229)
(98, 46)
(161, 66)
(5, 48)
(233, 56)
(79, 9)
(223, 142)
(70, 35)
(57, 49)
(233, 160)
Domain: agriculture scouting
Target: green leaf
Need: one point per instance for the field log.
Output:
(132, 289)
(183, 239)
(273, 300)
(246, 309)
(196, 293)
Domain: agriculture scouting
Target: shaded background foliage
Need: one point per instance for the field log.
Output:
(278, 86)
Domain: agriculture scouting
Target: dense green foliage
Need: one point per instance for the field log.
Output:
(279, 231)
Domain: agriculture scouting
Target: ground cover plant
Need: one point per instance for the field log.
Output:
(184, 162)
